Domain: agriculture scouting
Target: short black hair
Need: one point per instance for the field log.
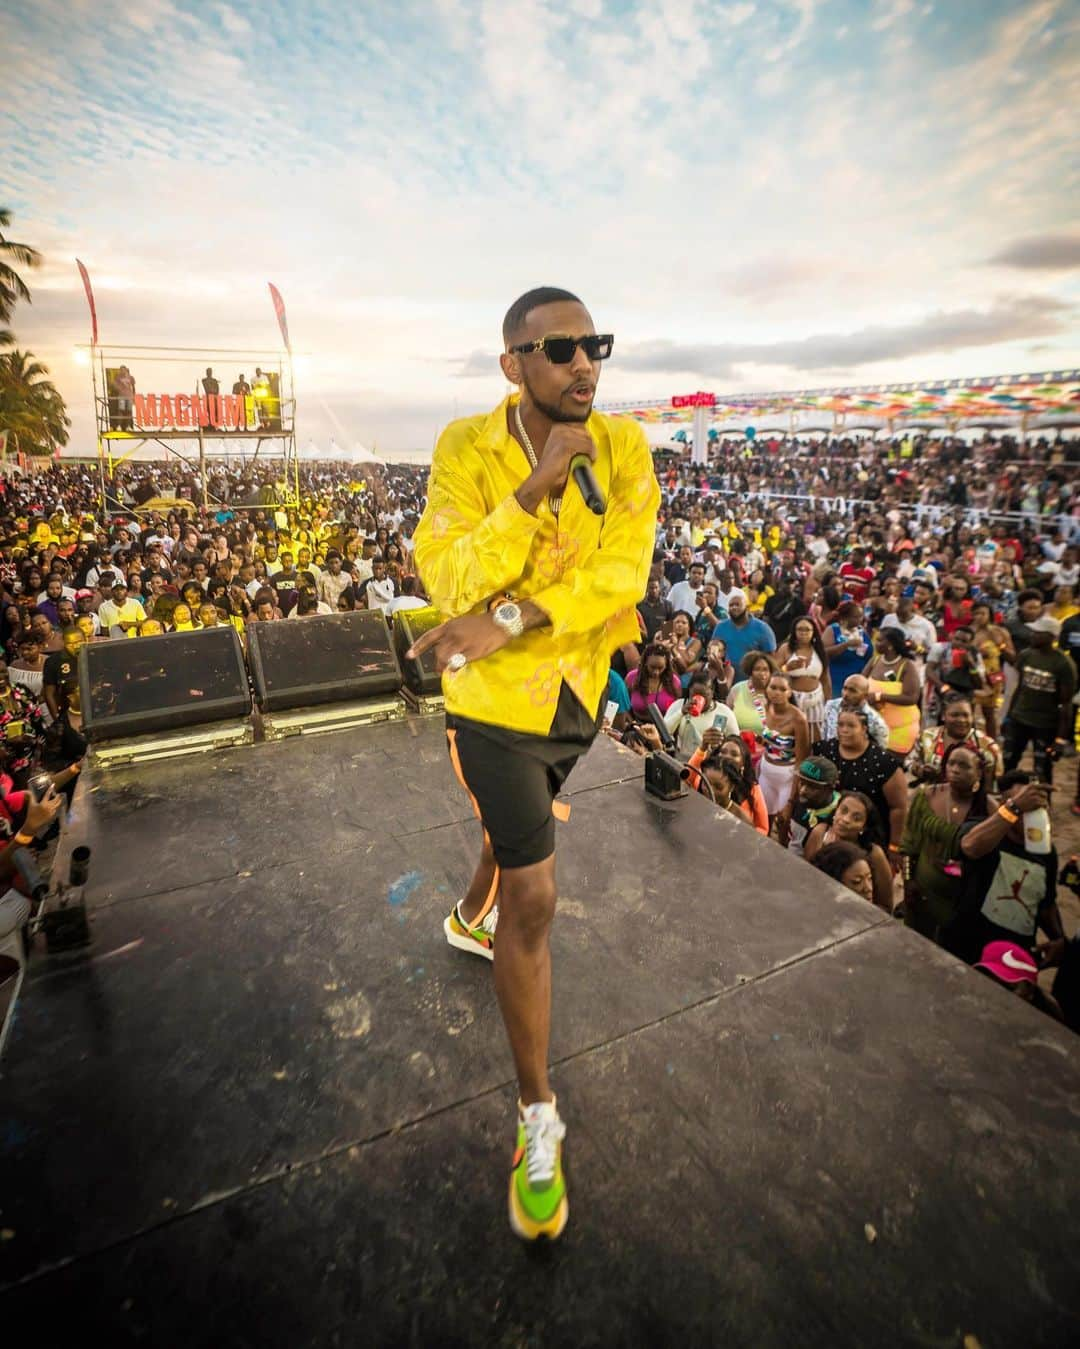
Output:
(532, 299)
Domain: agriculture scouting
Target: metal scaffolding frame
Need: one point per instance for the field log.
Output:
(134, 437)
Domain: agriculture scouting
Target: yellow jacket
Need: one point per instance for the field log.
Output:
(587, 572)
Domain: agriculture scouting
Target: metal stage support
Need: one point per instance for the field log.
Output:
(267, 420)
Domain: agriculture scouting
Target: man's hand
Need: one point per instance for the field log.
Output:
(712, 739)
(648, 733)
(1051, 953)
(43, 812)
(1031, 796)
(565, 440)
(474, 636)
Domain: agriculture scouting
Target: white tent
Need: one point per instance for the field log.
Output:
(362, 455)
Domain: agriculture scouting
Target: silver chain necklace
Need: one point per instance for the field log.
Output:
(554, 502)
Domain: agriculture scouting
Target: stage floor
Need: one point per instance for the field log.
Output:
(272, 1107)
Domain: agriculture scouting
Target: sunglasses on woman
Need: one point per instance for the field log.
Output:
(560, 350)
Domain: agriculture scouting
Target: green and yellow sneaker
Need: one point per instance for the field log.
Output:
(538, 1203)
(480, 940)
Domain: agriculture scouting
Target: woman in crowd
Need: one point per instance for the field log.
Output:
(957, 728)
(827, 602)
(847, 644)
(733, 750)
(654, 681)
(804, 662)
(785, 743)
(848, 864)
(719, 780)
(182, 619)
(995, 646)
(22, 725)
(951, 828)
(192, 595)
(718, 669)
(747, 698)
(895, 689)
(12, 629)
(856, 821)
(758, 592)
(782, 609)
(684, 647)
(956, 604)
(863, 767)
(1064, 605)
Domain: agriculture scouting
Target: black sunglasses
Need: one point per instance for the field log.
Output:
(560, 350)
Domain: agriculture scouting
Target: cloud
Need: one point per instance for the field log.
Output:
(890, 12)
(773, 277)
(477, 365)
(406, 180)
(1009, 320)
(1040, 252)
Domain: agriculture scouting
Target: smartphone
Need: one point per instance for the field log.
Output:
(611, 711)
(666, 629)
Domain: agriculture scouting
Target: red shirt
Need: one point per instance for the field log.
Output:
(857, 580)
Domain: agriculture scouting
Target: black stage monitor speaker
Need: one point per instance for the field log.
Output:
(421, 675)
(141, 685)
(326, 658)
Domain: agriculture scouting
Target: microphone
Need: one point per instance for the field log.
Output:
(582, 474)
(657, 719)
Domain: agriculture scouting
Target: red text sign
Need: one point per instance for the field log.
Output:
(184, 411)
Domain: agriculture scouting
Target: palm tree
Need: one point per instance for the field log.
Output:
(31, 408)
(12, 286)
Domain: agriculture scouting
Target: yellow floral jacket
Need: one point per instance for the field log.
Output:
(475, 543)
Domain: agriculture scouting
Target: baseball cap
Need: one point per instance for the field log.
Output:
(736, 594)
(1010, 963)
(84, 594)
(1045, 624)
(819, 769)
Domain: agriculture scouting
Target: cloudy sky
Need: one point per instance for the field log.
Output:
(750, 195)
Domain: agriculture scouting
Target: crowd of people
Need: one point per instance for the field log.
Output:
(851, 646)
(853, 649)
(72, 572)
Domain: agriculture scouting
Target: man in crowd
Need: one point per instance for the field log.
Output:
(654, 610)
(378, 590)
(853, 698)
(683, 594)
(742, 632)
(334, 581)
(120, 615)
(1041, 713)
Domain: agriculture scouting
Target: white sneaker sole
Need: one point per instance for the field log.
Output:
(466, 943)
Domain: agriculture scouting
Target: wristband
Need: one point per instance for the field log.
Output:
(1009, 816)
(894, 847)
(24, 840)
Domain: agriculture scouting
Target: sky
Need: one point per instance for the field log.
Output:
(763, 194)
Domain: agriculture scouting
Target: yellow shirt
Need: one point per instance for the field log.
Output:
(587, 572)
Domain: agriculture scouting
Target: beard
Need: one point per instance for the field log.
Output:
(554, 412)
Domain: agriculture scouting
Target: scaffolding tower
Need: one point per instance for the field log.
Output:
(264, 417)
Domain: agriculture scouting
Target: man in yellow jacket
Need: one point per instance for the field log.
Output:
(538, 591)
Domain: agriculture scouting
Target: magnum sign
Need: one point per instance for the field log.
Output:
(185, 411)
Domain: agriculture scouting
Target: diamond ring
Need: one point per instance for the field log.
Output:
(456, 662)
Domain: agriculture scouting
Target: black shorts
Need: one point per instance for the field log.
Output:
(514, 778)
